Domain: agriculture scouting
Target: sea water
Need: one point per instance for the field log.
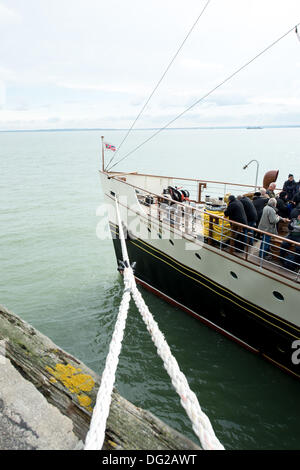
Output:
(57, 275)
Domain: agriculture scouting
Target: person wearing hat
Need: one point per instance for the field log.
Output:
(235, 210)
(251, 214)
(236, 213)
(282, 204)
(290, 187)
(259, 201)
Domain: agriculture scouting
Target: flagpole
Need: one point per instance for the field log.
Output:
(102, 137)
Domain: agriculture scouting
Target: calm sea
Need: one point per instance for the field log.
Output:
(57, 275)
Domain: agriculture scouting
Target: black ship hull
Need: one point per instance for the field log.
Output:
(249, 325)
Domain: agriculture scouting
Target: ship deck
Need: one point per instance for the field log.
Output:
(193, 226)
(200, 218)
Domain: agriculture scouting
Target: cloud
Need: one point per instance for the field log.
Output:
(54, 119)
(8, 16)
(97, 62)
(287, 101)
(111, 87)
(2, 93)
(193, 64)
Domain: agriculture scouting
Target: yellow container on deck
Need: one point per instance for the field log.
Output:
(219, 228)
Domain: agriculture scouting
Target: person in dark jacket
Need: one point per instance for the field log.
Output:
(296, 198)
(251, 215)
(250, 210)
(282, 205)
(236, 213)
(259, 203)
(295, 212)
(290, 187)
(290, 256)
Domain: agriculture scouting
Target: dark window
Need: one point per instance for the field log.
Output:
(278, 295)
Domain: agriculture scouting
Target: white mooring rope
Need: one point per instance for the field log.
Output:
(200, 422)
(96, 434)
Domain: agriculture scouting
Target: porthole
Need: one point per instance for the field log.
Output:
(235, 276)
(198, 256)
(171, 241)
(278, 296)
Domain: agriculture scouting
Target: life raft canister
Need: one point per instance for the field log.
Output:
(186, 194)
(179, 195)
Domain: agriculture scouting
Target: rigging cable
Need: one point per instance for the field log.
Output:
(206, 95)
(158, 83)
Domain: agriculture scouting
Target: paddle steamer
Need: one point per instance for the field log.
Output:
(186, 252)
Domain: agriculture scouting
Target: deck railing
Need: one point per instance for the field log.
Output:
(268, 252)
(201, 190)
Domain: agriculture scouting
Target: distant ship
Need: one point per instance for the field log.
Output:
(254, 127)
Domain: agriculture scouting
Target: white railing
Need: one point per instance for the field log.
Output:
(279, 255)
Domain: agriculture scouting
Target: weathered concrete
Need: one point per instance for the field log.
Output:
(27, 420)
(56, 378)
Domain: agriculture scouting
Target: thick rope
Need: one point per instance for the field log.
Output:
(200, 422)
(96, 434)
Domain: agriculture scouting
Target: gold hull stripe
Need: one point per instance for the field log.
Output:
(213, 290)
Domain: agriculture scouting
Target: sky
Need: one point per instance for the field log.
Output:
(94, 63)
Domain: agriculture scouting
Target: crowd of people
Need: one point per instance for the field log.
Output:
(264, 212)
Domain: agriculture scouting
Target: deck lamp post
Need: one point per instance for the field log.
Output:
(257, 169)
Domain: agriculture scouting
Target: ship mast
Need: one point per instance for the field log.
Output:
(102, 137)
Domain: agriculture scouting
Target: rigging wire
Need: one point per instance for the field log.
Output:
(159, 82)
(207, 94)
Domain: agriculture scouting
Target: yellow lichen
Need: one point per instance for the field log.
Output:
(112, 444)
(74, 380)
(84, 400)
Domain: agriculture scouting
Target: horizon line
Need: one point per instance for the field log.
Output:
(74, 129)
